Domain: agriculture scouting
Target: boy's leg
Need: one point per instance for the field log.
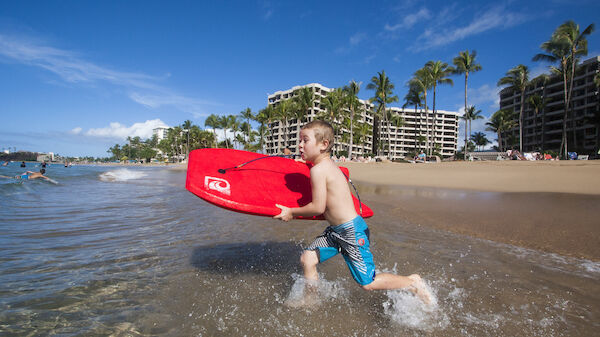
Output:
(413, 283)
(309, 260)
(386, 281)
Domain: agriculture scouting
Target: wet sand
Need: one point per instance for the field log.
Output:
(545, 206)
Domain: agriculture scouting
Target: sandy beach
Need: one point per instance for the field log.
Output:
(548, 206)
(582, 177)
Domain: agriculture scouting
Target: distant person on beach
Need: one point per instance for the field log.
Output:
(23, 164)
(43, 164)
(30, 175)
(348, 233)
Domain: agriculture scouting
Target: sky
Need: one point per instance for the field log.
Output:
(77, 77)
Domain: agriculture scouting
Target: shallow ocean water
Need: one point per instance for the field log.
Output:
(128, 251)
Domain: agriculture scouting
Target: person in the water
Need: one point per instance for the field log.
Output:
(348, 233)
(30, 175)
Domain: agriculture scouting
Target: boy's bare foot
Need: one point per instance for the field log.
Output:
(418, 288)
(309, 298)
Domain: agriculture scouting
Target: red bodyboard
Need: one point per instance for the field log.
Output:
(256, 187)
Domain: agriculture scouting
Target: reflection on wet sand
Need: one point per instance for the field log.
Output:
(553, 222)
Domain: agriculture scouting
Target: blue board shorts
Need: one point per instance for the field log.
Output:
(351, 239)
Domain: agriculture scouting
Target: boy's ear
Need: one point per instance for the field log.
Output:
(324, 145)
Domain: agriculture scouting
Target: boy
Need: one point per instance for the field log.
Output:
(348, 233)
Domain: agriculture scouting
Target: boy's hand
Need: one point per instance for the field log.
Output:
(285, 215)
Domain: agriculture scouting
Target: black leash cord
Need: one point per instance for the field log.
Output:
(222, 171)
(355, 191)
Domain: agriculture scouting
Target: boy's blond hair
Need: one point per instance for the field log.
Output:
(323, 131)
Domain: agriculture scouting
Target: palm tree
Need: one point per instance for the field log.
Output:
(354, 106)
(265, 117)
(542, 79)
(224, 124)
(421, 82)
(576, 40)
(518, 78)
(439, 72)
(333, 104)
(187, 124)
(397, 121)
(537, 103)
(362, 130)
(304, 100)
(212, 121)
(501, 121)
(464, 64)
(480, 140)
(383, 95)
(470, 115)
(413, 97)
(233, 123)
(283, 112)
(565, 45)
(247, 113)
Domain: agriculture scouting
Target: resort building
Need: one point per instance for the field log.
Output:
(394, 142)
(543, 131)
(160, 132)
(45, 156)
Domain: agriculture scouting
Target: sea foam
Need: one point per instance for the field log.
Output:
(121, 175)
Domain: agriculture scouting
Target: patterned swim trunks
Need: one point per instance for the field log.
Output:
(351, 239)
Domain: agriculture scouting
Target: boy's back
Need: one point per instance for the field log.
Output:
(339, 206)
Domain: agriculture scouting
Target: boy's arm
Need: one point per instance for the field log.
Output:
(318, 184)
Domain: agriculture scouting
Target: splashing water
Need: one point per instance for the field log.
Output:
(121, 175)
(406, 309)
(323, 291)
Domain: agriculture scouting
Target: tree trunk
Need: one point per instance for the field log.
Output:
(543, 117)
(563, 144)
(433, 123)
(466, 79)
(521, 120)
(500, 147)
(351, 131)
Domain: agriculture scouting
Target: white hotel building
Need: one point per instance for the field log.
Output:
(409, 138)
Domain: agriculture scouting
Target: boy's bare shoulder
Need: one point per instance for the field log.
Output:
(326, 167)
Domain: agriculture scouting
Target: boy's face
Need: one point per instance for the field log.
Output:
(309, 147)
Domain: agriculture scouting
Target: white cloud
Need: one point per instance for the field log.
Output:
(484, 95)
(182, 103)
(353, 41)
(410, 20)
(477, 125)
(72, 68)
(76, 131)
(119, 131)
(494, 18)
(538, 69)
(357, 38)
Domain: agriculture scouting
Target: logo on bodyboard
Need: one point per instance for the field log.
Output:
(217, 184)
